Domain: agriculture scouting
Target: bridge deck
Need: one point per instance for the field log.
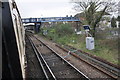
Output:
(49, 19)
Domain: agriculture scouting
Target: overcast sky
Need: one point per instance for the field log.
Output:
(45, 8)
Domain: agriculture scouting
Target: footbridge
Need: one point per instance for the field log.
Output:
(49, 19)
(37, 21)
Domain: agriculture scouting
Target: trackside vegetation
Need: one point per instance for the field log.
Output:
(106, 47)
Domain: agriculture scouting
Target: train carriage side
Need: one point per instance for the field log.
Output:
(13, 42)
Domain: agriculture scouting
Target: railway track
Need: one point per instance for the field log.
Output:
(102, 66)
(53, 65)
(32, 70)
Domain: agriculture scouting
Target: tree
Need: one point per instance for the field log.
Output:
(113, 22)
(118, 18)
(94, 10)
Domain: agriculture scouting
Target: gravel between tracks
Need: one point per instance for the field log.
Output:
(86, 69)
(33, 69)
(58, 66)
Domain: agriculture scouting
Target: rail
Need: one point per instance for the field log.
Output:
(43, 59)
(47, 71)
(113, 72)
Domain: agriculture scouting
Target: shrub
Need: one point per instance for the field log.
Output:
(64, 29)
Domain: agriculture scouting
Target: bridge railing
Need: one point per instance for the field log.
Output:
(49, 19)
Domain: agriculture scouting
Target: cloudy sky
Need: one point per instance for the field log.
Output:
(45, 8)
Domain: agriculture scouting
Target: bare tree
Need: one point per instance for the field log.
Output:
(94, 10)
